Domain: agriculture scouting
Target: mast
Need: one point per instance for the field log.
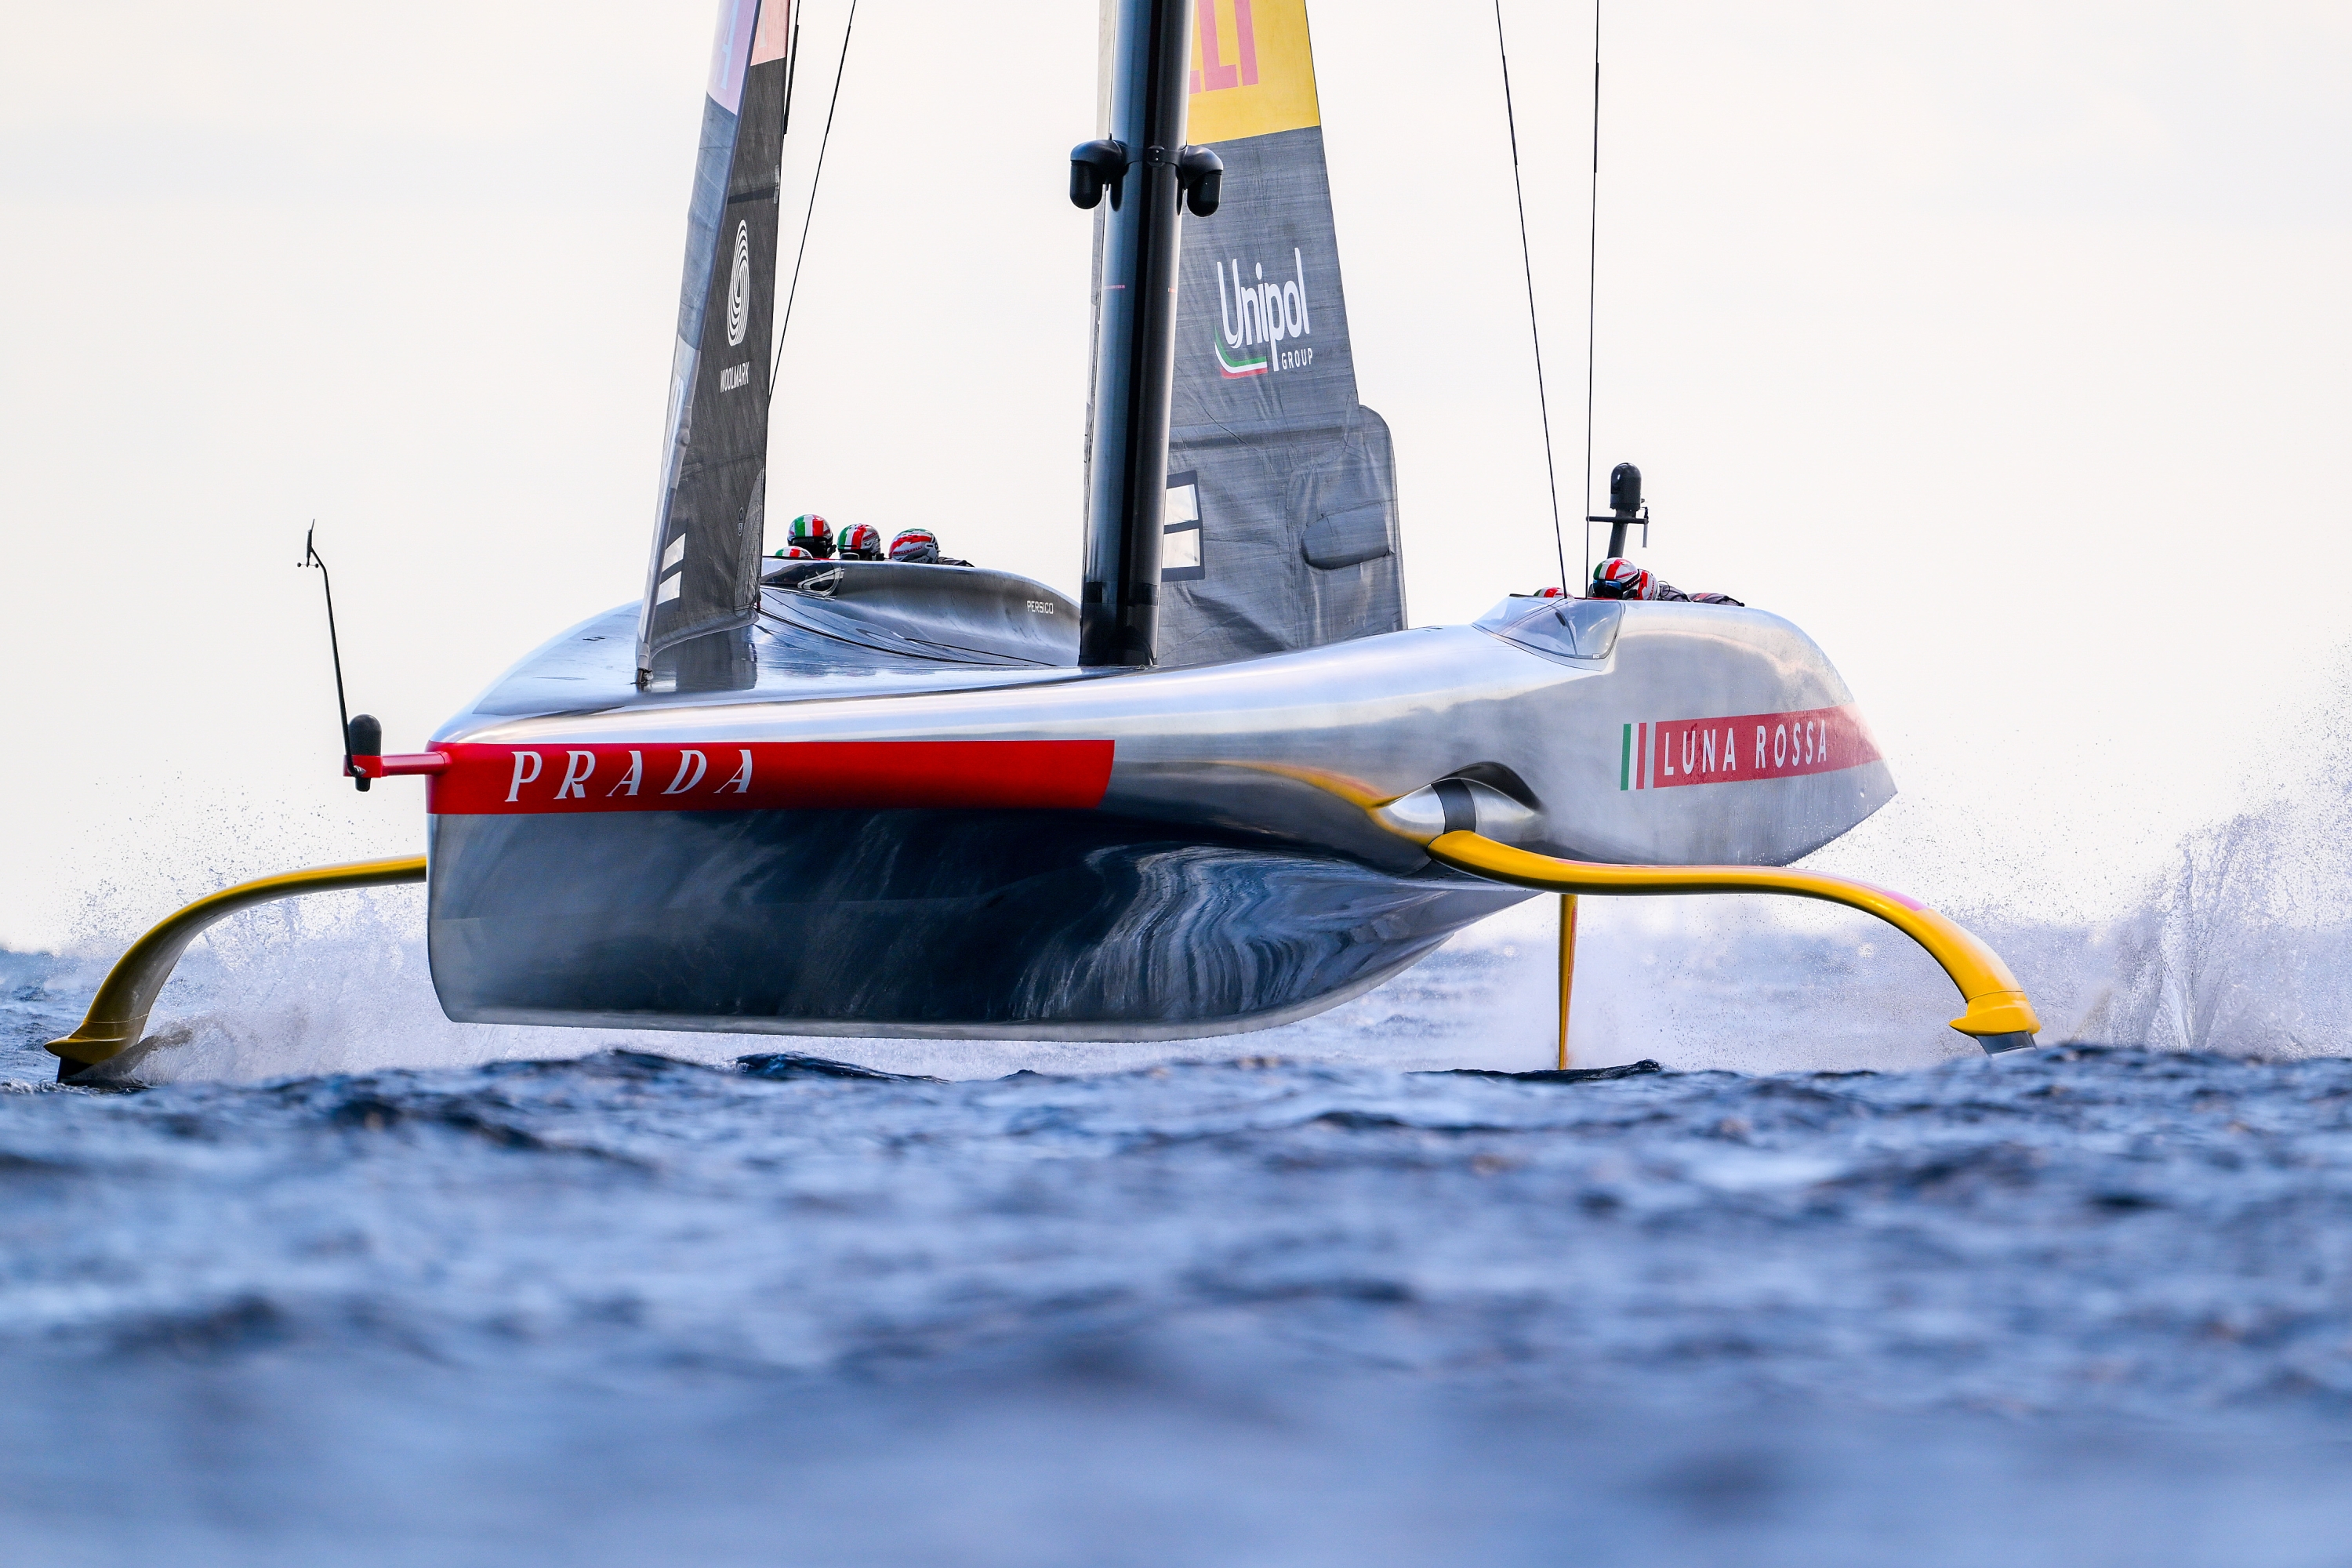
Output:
(1144, 168)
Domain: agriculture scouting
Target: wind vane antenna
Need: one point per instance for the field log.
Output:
(815, 179)
(310, 557)
(1534, 332)
(1593, 288)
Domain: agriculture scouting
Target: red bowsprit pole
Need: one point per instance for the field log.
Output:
(378, 766)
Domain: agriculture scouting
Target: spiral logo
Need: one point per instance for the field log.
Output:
(739, 288)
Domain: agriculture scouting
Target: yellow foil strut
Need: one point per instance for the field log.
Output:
(118, 1014)
(1998, 1014)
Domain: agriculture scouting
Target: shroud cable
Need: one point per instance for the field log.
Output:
(815, 179)
(1535, 333)
(1592, 290)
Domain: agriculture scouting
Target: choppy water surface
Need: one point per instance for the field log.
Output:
(2077, 1306)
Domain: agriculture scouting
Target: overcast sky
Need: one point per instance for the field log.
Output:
(2004, 347)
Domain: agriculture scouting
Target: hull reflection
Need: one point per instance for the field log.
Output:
(1072, 925)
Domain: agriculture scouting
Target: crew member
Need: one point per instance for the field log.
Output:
(861, 542)
(920, 546)
(1618, 578)
(813, 534)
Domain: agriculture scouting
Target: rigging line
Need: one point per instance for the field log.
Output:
(310, 557)
(815, 179)
(792, 74)
(1593, 288)
(1535, 333)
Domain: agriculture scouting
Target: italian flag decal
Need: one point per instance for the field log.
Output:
(1232, 367)
(1743, 748)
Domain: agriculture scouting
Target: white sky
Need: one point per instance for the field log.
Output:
(2004, 347)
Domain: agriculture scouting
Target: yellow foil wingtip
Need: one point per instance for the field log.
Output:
(2005, 1013)
(1999, 1014)
(118, 1014)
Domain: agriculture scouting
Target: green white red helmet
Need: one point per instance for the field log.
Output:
(813, 534)
(917, 545)
(861, 542)
(1618, 578)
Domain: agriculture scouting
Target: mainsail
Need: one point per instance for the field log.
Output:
(704, 575)
(1282, 517)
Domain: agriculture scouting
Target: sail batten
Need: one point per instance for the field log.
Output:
(709, 524)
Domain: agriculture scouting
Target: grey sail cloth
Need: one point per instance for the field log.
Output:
(1292, 482)
(710, 527)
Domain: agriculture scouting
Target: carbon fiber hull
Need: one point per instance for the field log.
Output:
(1050, 924)
(897, 807)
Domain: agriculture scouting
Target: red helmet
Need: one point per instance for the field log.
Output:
(861, 542)
(794, 553)
(919, 544)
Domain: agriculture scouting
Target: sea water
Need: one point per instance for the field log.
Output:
(353, 1284)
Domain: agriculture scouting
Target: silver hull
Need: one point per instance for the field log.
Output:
(938, 825)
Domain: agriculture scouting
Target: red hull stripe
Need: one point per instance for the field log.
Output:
(768, 775)
(1752, 746)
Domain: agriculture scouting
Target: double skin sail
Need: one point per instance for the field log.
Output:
(1282, 516)
(703, 577)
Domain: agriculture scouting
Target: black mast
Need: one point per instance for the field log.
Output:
(1145, 168)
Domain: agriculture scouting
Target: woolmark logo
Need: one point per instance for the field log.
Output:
(739, 288)
(1257, 316)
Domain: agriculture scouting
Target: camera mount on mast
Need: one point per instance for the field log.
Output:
(1626, 508)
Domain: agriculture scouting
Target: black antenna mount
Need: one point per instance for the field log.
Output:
(1626, 508)
(363, 735)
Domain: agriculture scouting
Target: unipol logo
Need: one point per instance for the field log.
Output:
(1215, 75)
(1257, 315)
(738, 289)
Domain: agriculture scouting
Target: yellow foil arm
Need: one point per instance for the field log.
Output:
(118, 1014)
(1998, 1014)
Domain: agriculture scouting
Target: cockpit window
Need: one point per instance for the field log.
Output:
(1562, 629)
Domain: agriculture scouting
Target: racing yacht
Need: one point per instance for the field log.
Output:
(851, 797)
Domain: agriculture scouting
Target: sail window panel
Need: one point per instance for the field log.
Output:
(1180, 554)
(1180, 546)
(1183, 500)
